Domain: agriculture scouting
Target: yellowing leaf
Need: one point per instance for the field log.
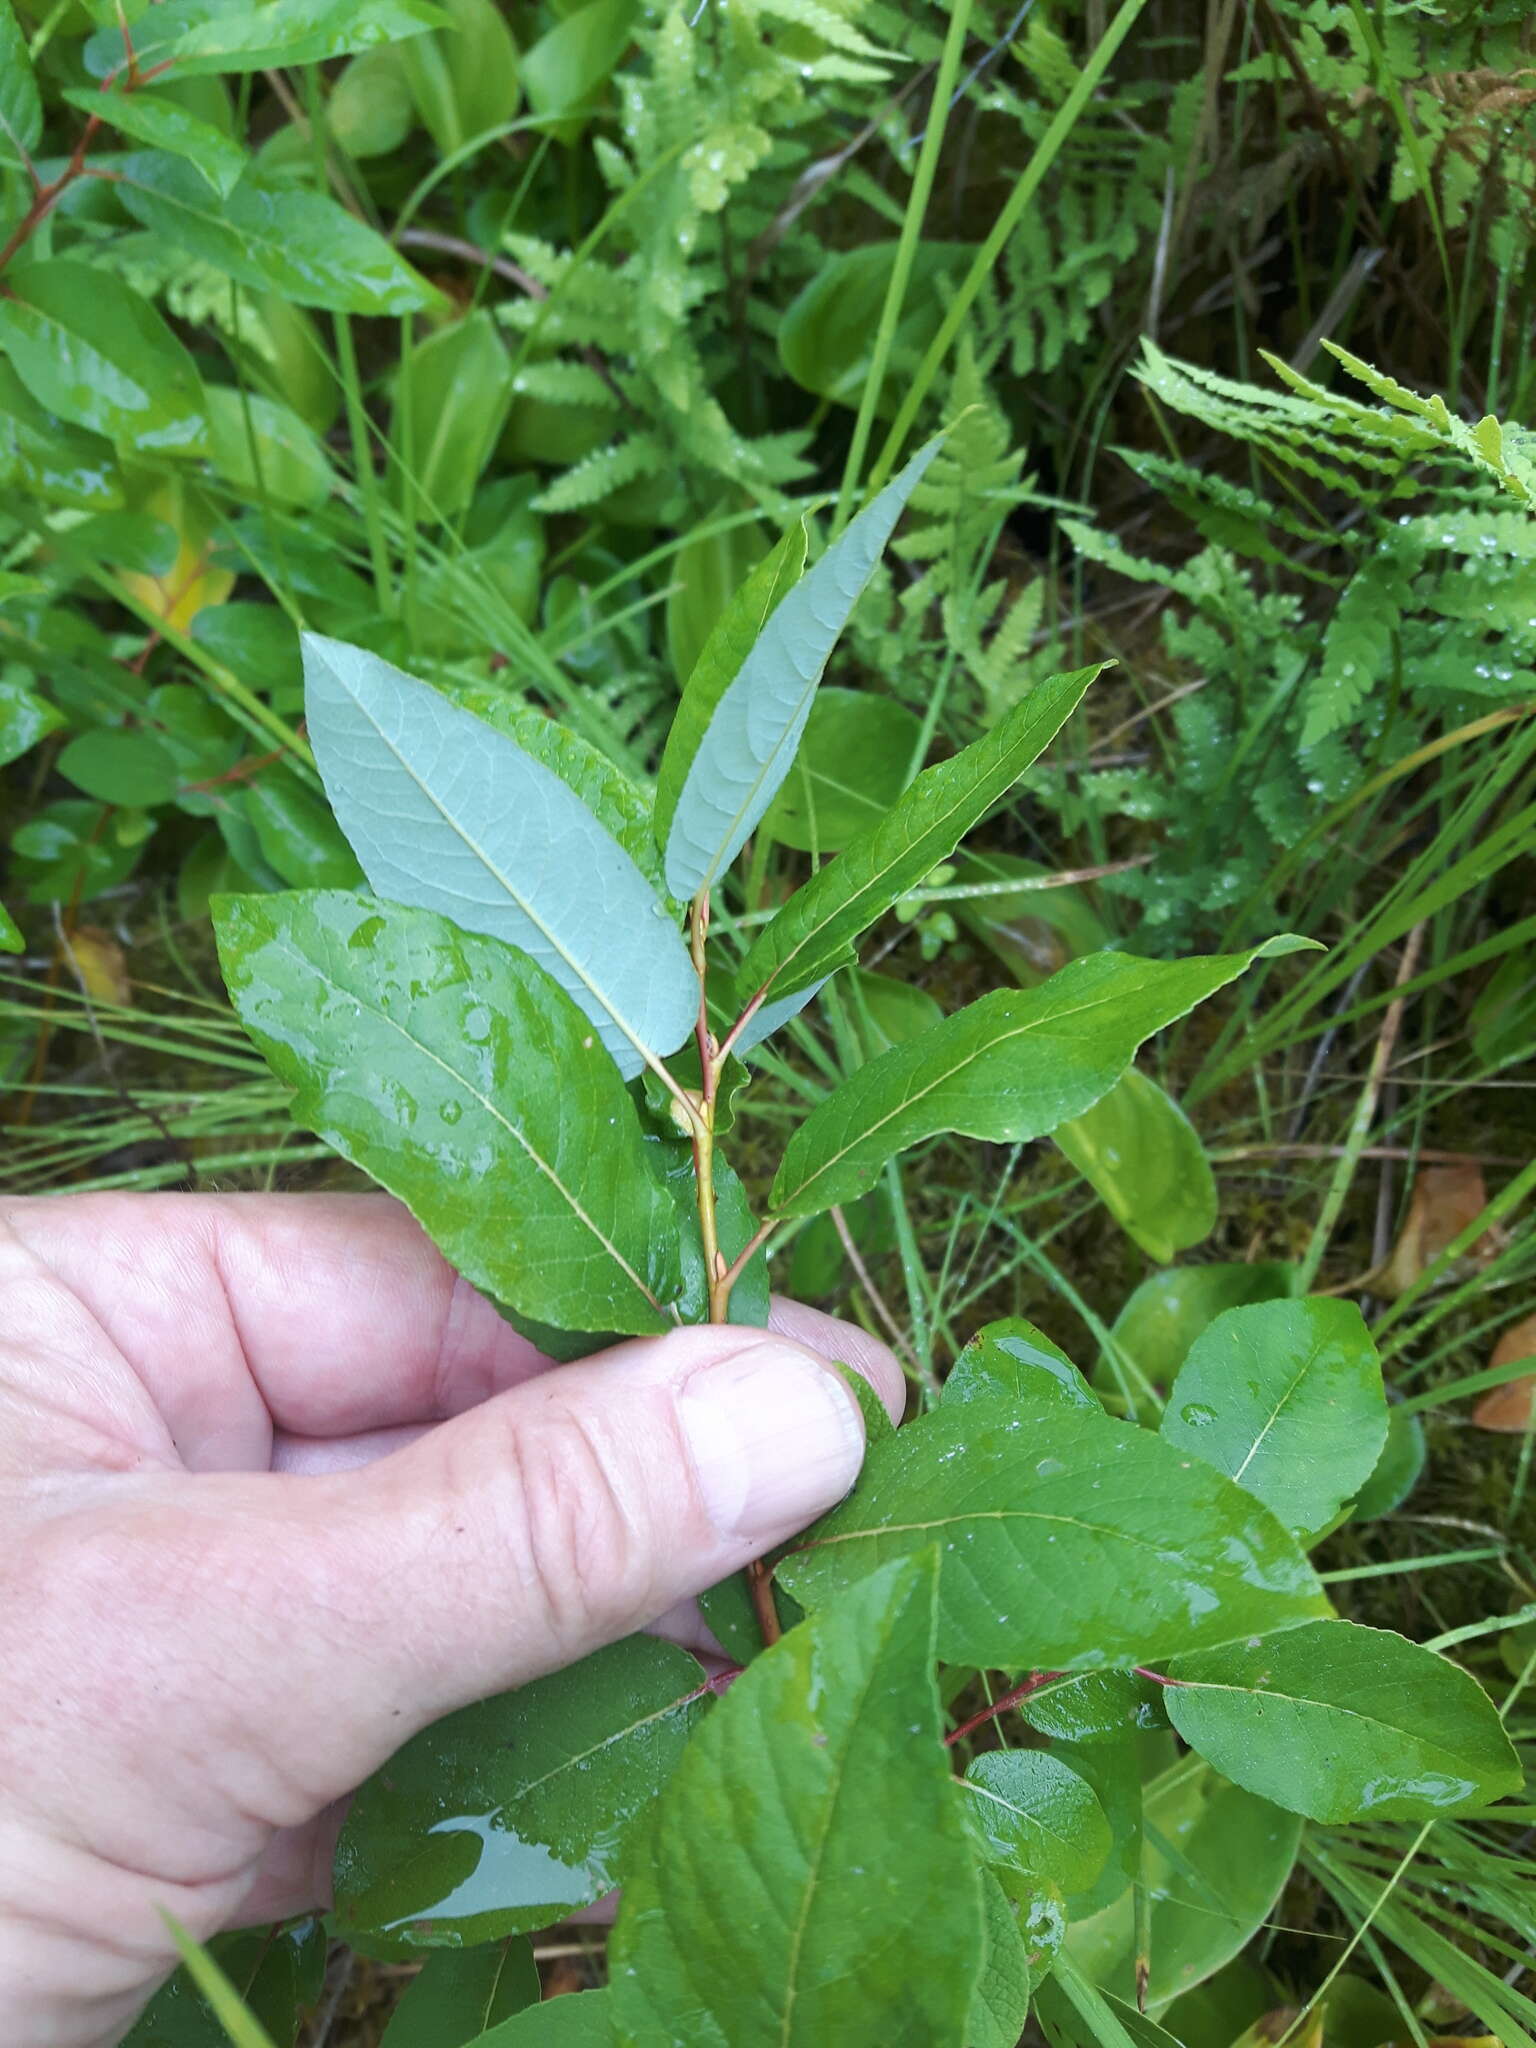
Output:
(192, 582)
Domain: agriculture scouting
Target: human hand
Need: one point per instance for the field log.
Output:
(276, 1491)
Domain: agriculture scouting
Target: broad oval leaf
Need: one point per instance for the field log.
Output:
(1341, 1722)
(456, 1996)
(582, 2019)
(1009, 1067)
(813, 934)
(1036, 1814)
(445, 813)
(850, 1844)
(275, 1974)
(1285, 1397)
(855, 758)
(508, 1815)
(1214, 1861)
(40, 453)
(99, 355)
(1143, 1157)
(1168, 1311)
(281, 238)
(1066, 1540)
(1098, 1706)
(451, 400)
(748, 745)
(453, 1070)
(1015, 1359)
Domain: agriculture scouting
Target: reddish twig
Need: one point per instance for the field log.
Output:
(1011, 1698)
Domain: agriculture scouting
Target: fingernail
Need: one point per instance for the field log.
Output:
(776, 1438)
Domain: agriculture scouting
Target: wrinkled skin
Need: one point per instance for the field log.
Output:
(276, 1490)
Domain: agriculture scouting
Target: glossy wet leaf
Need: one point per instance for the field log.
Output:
(813, 934)
(1013, 1358)
(99, 355)
(11, 940)
(297, 835)
(161, 123)
(885, 1011)
(451, 400)
(510, 1814)
(21, 110)
(458, 1995)
(722, 655)
(854, 761)
(1008, 1068)
(848, 1856)
(448, 815)
(25, 718)
(1035, 1814)
(453, 1070)
(734, 769)
(277, 1973)
(1096, 1706)
(1000, 2003)
(1168, 1311)
(1065, 1540)
(1285, 1397)
(1341, 1723)
(1214, 1861)
(283, 238)
(1143, 1157)
(203, 38)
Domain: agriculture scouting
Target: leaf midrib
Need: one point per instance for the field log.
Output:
(496, 1115)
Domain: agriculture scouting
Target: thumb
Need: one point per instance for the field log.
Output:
(555, 1518)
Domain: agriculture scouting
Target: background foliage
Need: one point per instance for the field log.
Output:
(502, 339)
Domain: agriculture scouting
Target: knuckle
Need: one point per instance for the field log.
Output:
(578, 1535)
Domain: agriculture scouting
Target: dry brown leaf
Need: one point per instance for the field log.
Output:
(101, 966)
(1443, 1201)
(1512, 1407)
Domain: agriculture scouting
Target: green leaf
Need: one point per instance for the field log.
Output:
(1341, 1722)
(266, 450)
(813, 934)
(281, 238)
(1031, 931)
(21, 110)
(1143, 1158)
(754, 725)
(827, 333)
(1008, 1068)
(371, 110)
(165, 124)
(705, 574)
(725, 650)
(1168, 1311)
(99, 355)
(1065, 1540)
(1397, 1470)
(448, 815)
(583, 2019)
(510, 1814)
(1214, 1863)
(1072, 2013)
(202, 36)
(451, 401)
(819, 1792)
(453, 1070)
(1038, 1816)
(457, 1996)
(566, 69)
(68, 851)
(885, 1011)
(298, 837)
(25, 718)
(275, 1972)
(1012, 1357)
(464, 77)
(854, 761)
(1095, 1707)
(119, 765)
(1000, 2003)
(11, 940)
(1285, 1397)
(235, 2018)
